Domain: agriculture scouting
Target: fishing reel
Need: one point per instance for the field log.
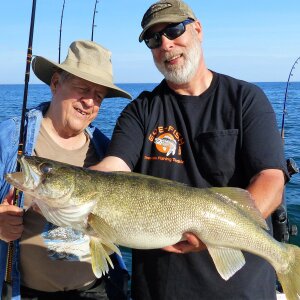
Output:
(292, 167)
(282, 229)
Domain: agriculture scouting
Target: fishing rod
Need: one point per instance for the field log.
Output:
(283, 229)
(286, 95)
(8, 277)
(93, 25)
(60, 30)
(291, 164)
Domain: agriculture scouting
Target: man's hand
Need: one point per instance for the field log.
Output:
(11, 219)
(191, 244)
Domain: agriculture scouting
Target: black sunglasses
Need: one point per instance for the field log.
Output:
(172, 32)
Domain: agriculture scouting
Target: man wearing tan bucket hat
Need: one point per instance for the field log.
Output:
(60, 130)
(204, 129)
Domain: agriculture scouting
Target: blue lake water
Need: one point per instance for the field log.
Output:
(11, 97)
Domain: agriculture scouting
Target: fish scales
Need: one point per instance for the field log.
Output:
(144, 212)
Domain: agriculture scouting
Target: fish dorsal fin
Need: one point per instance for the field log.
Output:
(99, 257)
(227, 260)
(74, 216)
(242, 200)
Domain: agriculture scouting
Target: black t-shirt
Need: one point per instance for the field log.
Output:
(221, 138)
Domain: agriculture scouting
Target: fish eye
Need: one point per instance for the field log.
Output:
(45, 168)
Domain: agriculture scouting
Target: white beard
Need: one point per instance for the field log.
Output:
(180, 74)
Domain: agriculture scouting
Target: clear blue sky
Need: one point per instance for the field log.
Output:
(254, 40)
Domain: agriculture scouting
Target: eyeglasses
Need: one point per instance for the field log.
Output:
(172, 32)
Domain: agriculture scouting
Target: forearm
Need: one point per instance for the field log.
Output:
(266, 189)
(111, 163)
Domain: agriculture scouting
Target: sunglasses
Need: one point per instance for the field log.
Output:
(172, 32)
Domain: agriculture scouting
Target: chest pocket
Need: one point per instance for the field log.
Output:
(216, 155)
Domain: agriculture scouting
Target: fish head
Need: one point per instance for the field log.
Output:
(44, 179)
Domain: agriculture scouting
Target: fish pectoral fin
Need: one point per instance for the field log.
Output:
(105, 233)
(74, 216)
(100, 257)
(102, 245)
(227, 260)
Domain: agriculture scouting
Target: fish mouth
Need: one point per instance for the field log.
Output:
(26, 180)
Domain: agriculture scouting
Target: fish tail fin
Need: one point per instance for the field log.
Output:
(290, 279)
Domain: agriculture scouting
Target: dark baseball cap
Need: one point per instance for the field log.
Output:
(165, 11)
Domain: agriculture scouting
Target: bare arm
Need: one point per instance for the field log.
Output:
(111, 163)
(266, 189)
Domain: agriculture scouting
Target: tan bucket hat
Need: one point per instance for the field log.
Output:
(87, 60)
(165, 11)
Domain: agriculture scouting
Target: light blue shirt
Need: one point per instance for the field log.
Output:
(9, 141)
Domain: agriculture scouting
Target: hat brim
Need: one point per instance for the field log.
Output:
(44, 70)
(166, 19)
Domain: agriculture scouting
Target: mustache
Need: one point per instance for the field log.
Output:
(169, 55)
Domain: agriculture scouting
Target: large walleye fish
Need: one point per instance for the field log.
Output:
(144, 212)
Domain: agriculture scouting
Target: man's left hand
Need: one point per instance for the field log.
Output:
(191, 244)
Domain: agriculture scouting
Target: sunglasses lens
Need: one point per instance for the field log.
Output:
(154, 41)
(174, 32)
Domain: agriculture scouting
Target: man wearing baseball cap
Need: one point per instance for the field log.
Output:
(49, 266)
(204, 129)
